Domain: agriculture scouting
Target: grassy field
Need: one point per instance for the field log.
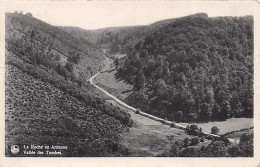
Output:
(148, 137)
(231, 124)
(116, 87)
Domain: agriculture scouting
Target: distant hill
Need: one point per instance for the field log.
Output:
(120, 39)
(47, 100)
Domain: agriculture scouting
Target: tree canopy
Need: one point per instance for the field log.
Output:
(200, 66)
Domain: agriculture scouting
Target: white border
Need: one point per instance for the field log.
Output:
(151, 162)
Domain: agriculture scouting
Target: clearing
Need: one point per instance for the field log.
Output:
(228, 125)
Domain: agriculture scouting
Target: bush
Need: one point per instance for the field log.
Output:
(192, 129)
(214, 130)
(62, 71)
(69, 66)
(179, 116)
(194, 141)
(75, 58)
(186, 142)
(172, 124)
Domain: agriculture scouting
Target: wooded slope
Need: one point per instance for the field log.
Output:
(195, 69)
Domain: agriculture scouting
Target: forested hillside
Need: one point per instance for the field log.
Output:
(194, 69)
(120, 39)
(44, 44)
(46, 102)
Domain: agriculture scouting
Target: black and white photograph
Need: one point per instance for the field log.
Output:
(129, 79)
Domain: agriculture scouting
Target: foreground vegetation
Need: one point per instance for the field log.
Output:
(45, 105)
(216, 148)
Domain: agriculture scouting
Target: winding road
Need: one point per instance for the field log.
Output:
(175, 125)
(113, 97)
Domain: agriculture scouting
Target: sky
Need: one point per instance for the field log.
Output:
(100, 14)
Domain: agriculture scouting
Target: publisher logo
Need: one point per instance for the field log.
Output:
(15, 149)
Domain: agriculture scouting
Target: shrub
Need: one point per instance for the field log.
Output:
(186, 142)
(214, 130)
(192, 129)
(172, 124)
(69, 66)
(62, 71)
(179, 116)
(194, 141)
(74, 58)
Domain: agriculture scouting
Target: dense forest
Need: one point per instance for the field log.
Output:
(47, 101)
(194, 69)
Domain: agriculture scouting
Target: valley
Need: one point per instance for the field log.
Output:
(179, 87)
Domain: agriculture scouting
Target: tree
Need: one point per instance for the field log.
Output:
(178, 116)
(192, 129)
(74, 57)
(217, 149)
(192, 116)
(174, 150)
(234, 151)
(62, 71)
(214, 130)
(194, 141)
(137, 111)
(226, 111)
(57, 57)
(186, 142)
(140, 79)
(160, 87)
(69, 66)
(205, 111)
(216, 111)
